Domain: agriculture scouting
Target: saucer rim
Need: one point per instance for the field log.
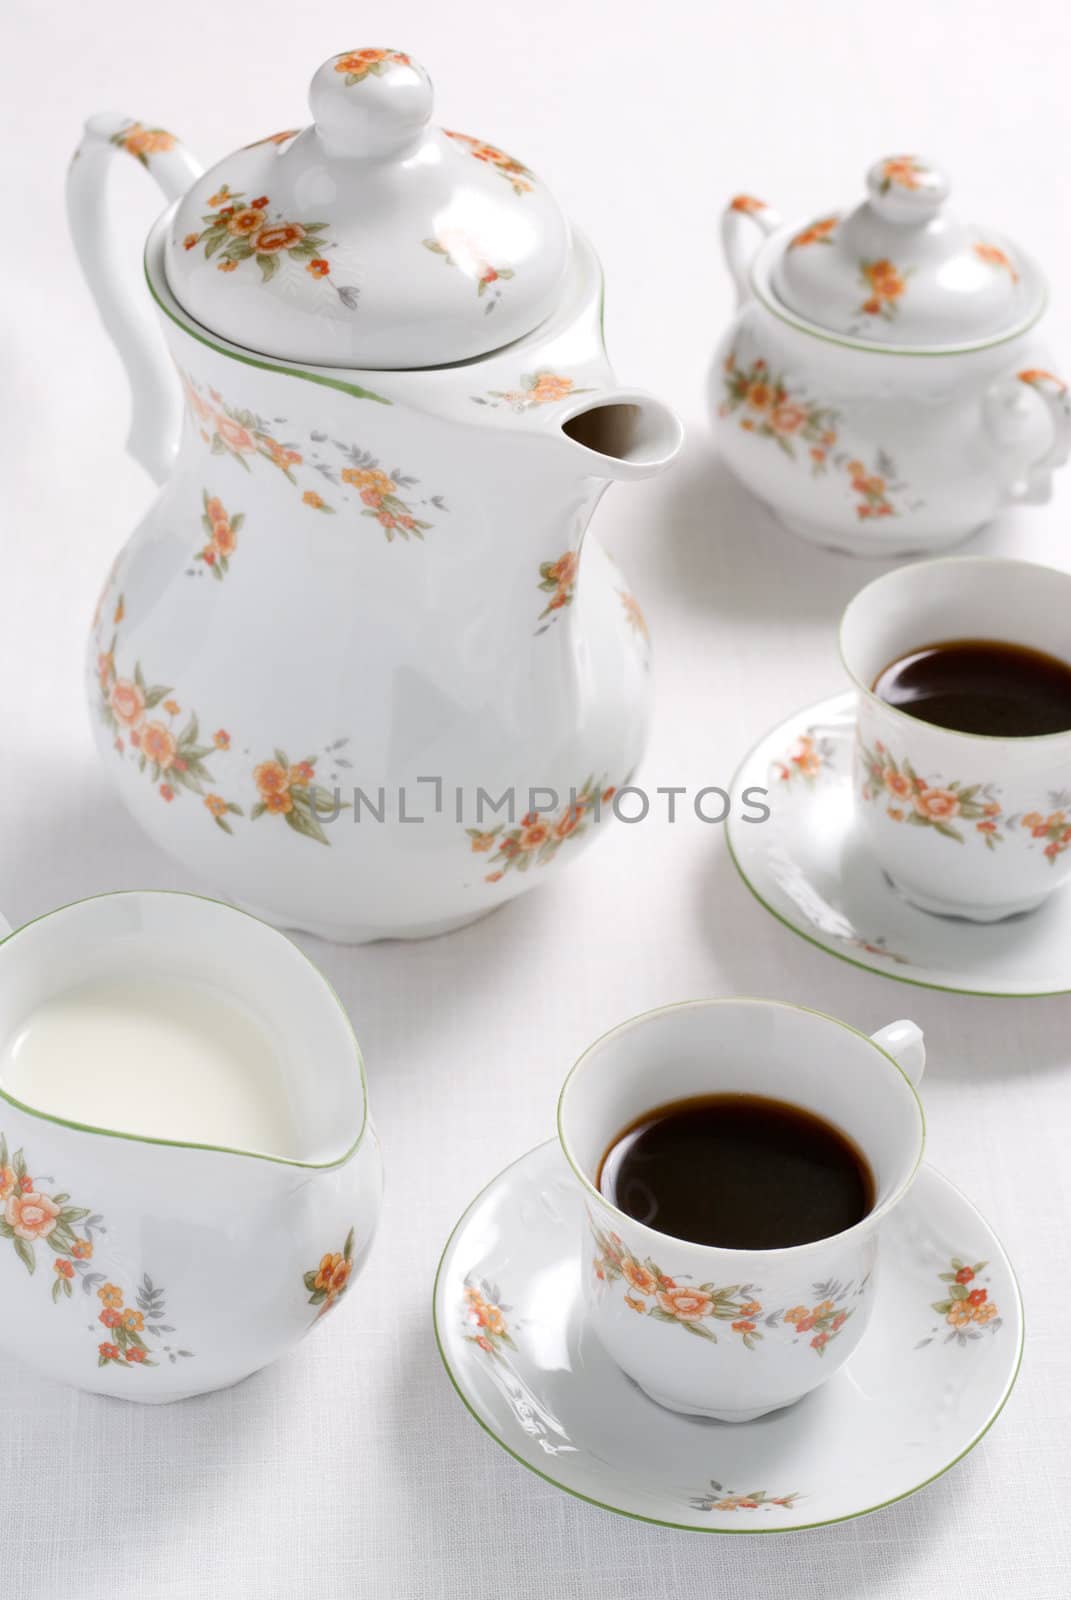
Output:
(736, 783)
(691, 1527)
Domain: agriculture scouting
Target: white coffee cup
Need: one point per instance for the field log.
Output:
(730, 1333)
(963, 824)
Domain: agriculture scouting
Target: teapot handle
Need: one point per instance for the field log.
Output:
(124, 311)
(740, 218)
(1008, 409)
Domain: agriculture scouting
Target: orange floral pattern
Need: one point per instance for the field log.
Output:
(460, 250)
(771, 412)
(242, 435)
(872, 489)
(170, 752)
(540, 835)
(941, 806)
(357, 65)
(903, 172)
(558, 579)
(820, 232)
(380, 499)
(634, 615)
(537, 389)
(519, 177)
(824, 1320)
(810, 755)
(222, 528)
(141, 142)
(966, 1307)
(238, 229)
(29, 1217)
(126, 1326)
(747, 204)
(289, 790)
(328, 1282)
(1054, 828)
(994, 256)
(694, 1307)
(885, 285)
(485, 1315)
(718, 1498)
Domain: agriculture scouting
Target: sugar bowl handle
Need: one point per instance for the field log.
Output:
(1009, 411)
(122, 304)
(904, 1042)
(741, 217)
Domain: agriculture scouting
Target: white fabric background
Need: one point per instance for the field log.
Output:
(351, 1468)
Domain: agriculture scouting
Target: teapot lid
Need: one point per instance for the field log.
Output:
(901, 270)
(369, 239)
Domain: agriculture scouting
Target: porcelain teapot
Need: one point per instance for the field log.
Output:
(153, 1268)
(360, 667)
(881, 387)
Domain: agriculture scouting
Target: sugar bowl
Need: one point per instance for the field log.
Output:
(881, 387)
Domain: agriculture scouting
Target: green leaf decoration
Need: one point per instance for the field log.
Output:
(24, 1251)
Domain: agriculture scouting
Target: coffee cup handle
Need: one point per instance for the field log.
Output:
(904, 1042)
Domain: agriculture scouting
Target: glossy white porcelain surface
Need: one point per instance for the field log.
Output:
(150, 1269)
(813, 868)
(916, 1395)
(369, 238)
(965, 825)
(870, 446)
(689, 1322)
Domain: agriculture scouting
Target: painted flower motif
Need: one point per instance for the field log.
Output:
(820, 232)
(905, 172)
(379, 495)
(994, 256)
(162, 750)
(634, 615)
(747, 204)
(694, 1307)
(460, 250)
(357, 65)
(328, 1282)
(141, 142)
(129, 1326)
(519, 177)
(289, 790)
(558, 579)
(874, 489)
(221, 535)
(30, 1218)
(484, 1315)
(539, 388)
(824, 1320)
(1054, 828)
(718, 1498)
(963, 1310)
(545, 833)
(237, 230)
(767, 409)
(885, 285)
(809, 758)
(931, 805)
(31, 1215)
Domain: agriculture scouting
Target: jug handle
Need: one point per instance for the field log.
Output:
(124, 310)
(740, 218)
(1007, 405)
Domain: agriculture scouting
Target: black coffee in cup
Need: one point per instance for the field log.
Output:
(987, 686)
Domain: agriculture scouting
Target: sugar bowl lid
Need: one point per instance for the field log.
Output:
(901, 270)
(369, 239)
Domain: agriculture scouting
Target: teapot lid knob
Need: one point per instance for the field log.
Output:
(370, 104)
(906, 189)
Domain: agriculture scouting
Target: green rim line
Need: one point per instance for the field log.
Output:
(840, 955)
(189, 1144)
(691, 1527)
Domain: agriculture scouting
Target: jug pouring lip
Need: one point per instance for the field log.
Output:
(583, 289)
(9, 938)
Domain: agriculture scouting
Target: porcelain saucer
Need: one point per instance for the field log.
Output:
(936, 1366)
(809, 865)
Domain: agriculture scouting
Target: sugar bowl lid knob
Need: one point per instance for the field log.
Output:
(371, 104)
(906, 189)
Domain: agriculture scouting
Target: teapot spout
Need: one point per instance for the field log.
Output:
(623, 434)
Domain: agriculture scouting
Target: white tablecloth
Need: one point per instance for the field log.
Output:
(351, 1468)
